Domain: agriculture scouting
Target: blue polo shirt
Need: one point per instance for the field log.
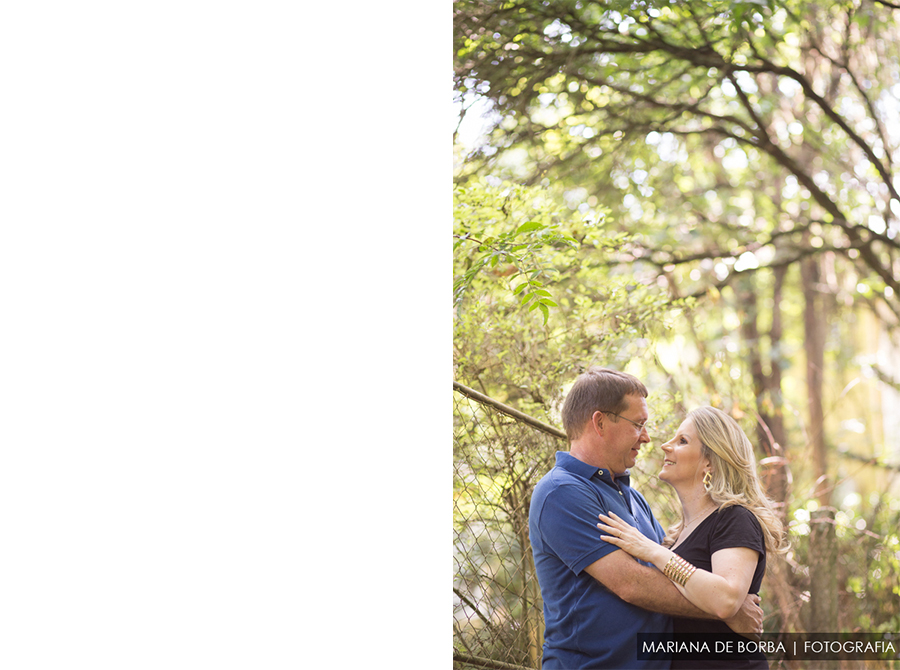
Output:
(586, 624)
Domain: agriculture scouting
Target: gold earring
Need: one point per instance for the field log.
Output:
(707, 480)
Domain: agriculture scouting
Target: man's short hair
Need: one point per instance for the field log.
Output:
(597, 389)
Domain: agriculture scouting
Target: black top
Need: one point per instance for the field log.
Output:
(734, 526)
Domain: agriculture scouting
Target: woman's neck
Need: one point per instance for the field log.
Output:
(695, 503)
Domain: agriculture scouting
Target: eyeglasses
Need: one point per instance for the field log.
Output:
(639, 426)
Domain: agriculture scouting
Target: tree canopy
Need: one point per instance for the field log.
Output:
(771, 128)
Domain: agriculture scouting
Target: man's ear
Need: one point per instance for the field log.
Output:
(597, 422)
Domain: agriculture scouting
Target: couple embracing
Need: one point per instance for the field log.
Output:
(606, 568)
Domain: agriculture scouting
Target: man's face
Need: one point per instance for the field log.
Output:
(623, 438)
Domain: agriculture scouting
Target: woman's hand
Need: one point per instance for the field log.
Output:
(627, 537)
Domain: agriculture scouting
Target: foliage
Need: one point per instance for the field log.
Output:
(869, 559)
(535, 248)
(750, 133)
(489, 221)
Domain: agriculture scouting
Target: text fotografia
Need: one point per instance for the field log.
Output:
(771, 646)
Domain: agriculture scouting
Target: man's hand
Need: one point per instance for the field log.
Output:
(748, 620)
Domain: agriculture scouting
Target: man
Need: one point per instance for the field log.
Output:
(596, 599)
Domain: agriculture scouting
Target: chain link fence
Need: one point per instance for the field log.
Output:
(499, 455)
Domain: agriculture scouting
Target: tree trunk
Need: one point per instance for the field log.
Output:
(822, 540)
(772, 407)
(814, 325)
(770, 434)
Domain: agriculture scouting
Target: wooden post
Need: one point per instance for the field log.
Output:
(823, 589)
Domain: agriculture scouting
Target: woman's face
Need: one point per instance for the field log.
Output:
(684, 463)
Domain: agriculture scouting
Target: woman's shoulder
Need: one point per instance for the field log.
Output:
(735, 526)
(738, 515)
(738, 511)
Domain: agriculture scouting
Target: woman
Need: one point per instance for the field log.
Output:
(727, 524)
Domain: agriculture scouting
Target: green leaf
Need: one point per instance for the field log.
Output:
(528, 227)
(545, 311)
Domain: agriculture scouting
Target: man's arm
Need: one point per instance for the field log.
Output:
(642, 586)
(649, 589)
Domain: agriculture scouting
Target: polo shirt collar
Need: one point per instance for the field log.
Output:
(568, 462)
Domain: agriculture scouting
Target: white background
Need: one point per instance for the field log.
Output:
(224, 340)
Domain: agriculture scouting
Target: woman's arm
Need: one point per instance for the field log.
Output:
(720, 592)
(647, 588)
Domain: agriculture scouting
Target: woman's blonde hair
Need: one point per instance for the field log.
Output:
(734, 477)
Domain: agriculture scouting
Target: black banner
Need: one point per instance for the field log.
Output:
(772, 646)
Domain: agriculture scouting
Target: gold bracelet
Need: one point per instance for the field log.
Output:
(678, 570)
(674, 570)
(681, 571)
(685, 570)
